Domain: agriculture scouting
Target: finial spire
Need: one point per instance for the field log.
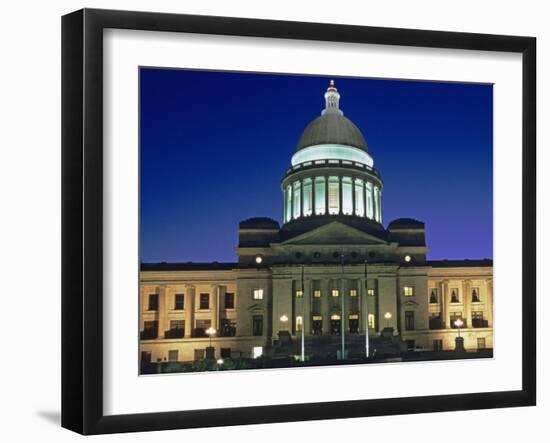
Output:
(332, 100)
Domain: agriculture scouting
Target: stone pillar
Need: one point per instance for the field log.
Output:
(326, 195)
(443, 302)
(340, 195)
(353, 196)
(164, 305)
(325, 305)
(489, 301)
(214, 306)
(306, 315)
(467, 290)
(189, 310)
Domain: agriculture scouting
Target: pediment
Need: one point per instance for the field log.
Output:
(335, 233)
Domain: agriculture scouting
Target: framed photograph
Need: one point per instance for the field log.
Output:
(270, 221)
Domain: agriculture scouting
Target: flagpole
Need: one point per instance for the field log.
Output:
(303, 319)
(366, 313)
(342, 319)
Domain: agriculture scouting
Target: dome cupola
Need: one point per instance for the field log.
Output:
(332, 173)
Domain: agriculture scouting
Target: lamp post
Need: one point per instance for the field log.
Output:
(343, 316)
(459, 341)
(211, 331)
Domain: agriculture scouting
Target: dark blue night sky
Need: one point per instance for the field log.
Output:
(215, 145)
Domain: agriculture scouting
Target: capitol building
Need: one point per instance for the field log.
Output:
(332, 281)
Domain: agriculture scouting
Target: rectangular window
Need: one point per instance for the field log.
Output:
(320, 188)
(353, 292)
(457, 316)
(478, 321)
(333, 195)
(317, 325)
(257, 325)
(177, 329)
(409, 320)
(199, 354)
(297, 200)
(204, 301)
(408, 291)
(359, 198)
(229, 300)
(153, 302)
(368, 193)
(299, 294)
(438, 345)
(225, 352)
(228, 327)
(317, 293)
(258, 294)
(410, 345)
(433, 295)
(150, 330)
(335, 293)
(179, 302)
(308, 197)
(201, 327)
(481, 343)
(353, 324)
(372, 324)
(347, 196)
(177, 324)
(173, 355)
(146, 356)
(370, 292)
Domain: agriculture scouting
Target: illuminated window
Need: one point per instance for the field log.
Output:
(454, 316)
(353, 292)
(368, 193)
(297, 200)
(370, 292)
(333, 196)
(408, 291)
(335, 292)
(372, 324)
(317, 293)
(288, 212)
(258, 294)
(335, 317)
(299, 323)
(347, 196)
(359, 198)
(353, 324)
(308, 197)
(481, 343)
(299, 294)
(320, 189)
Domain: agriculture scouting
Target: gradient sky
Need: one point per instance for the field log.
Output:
(215, 145)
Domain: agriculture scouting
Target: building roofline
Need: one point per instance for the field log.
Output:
(466, 263)
(189, 266)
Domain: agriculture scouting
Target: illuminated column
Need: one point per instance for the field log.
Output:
(313, 196)
(215, 299)
(340, 195)
(325, 305)
(443, 302)
(189, 310)
(467, 289)
(306, 315)
(326, 195)
(353, 196)
(489, 302)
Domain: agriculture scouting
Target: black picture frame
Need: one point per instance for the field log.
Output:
(82, 215)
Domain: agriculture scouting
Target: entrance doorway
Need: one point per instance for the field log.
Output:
(335, 324)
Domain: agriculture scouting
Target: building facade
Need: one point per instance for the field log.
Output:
(331, 277)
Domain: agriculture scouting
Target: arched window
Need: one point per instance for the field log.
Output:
(475, 295)
(454, 296)
(308, 197)
(320, 197)
(370, 203)
(333, 195)
(433, 296)
(347, 196)
(297, 200)
(359, 198)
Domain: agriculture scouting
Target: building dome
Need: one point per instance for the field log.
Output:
(332, 128)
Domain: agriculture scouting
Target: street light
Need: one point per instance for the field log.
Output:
(387, 316)
(458, 324)
(211, 331)
(219, 361)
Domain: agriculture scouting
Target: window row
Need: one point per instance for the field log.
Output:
(332, 195)
(335, 324)
(455, 296)
(334, 293)
(457, 321)
(179, 301)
